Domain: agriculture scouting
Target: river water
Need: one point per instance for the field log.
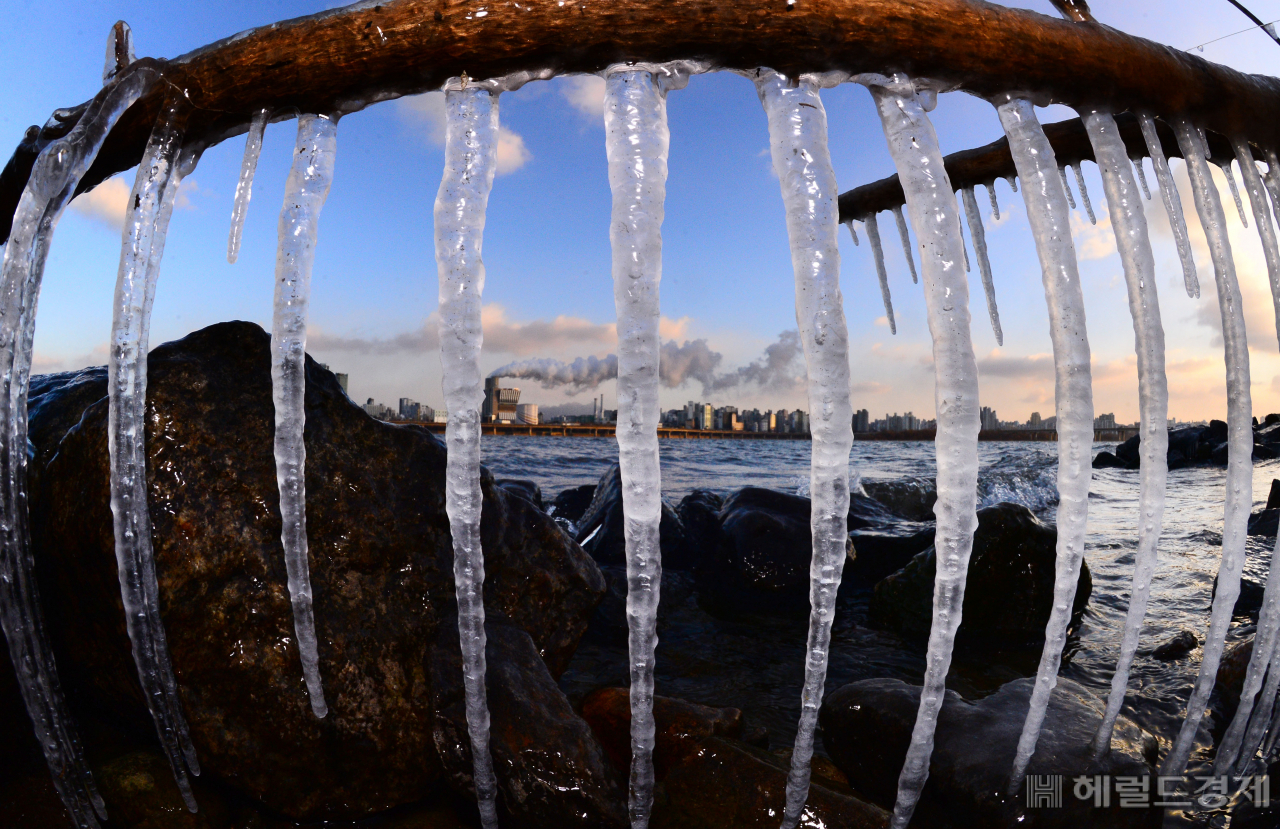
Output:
(757, 664)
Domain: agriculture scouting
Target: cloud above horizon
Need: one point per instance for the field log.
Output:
(428, 111)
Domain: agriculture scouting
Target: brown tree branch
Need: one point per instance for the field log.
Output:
(344, 59)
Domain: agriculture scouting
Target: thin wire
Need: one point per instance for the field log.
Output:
(1266, 27)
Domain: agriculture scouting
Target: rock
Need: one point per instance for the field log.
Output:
(572, 503)
(1231, 672)
(32, 802)
(1249, 603)
(551, 770)
(699, 512)
(731, 786)
(609, 623)
(527, 490)
(381, 566)
(1264, 522)
(1013, 555)
(600, 529)
(139, 792)
(1181, 644)
(866, 727)
(1107, 460)
(865, 511)
(1127, 452)
(880, 552)
(762, 563)
(1216, 432)
(1273, 497)
(910, 498)
(680, 727)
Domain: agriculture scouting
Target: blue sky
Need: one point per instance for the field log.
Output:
(727, 275)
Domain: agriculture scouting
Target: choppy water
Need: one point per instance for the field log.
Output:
(758, 665)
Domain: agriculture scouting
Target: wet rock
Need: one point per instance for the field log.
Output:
(762, 563)
(680, 727)
(1107, 460)
(381, 572)
(866, 728)
(865, 511)
(1273, 497)
(551, 770)
(727, 785)
(1264, 522)
(878, 553)
(1250, 602)
(527, 490)
(139, 793)
(572, 503)
(1195, 445)
(910, 498)
(699, 512)
(609, 623)
(1178, 646)
(600, 530)
(1013, 555)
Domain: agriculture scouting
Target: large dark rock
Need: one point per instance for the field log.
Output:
(910, 498)
(381, 566)
(1196, 445)
(572, 503)
(527, 490)
(1264, 522)
(1176, 647)
(866, 512)
(762, 563)
(551, 770)
(1107, 460)
(699, 512)
(1229, 683)
(866, 727)
(880, 552)
(1013, 556)
(600, 530)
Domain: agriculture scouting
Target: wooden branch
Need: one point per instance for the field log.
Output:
(344, 59)
(983, 165)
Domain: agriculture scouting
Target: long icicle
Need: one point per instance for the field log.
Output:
(798, 139)
(979, 235)
(1262, 729)
(1273, 182)
(995, 205)
(636, 144)
(149, 208)
(852, 232)
(1084, 193)
(1073, 392)
(471, 144)
(1129, 223)
(1262, 218)
(872, 227)
(304, 195)
(1142, 176)
(1172, 203)
(931, 200)
(244, 188)
(1225, 167)
(1062, 174)
(1239, 494)
(906, 242)
(50, 186)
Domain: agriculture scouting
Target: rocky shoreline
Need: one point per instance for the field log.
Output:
(394, 751)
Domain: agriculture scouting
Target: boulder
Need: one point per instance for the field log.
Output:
(572, 503)
(699, 512)
(865, 511)
(910, 498)
(883, 551)
(381, 565)
(1229, 682)
(1176, 647)
(139, 792)
(866, 727)
(600, 530)
(1264, 522)
(608, 625)
(1273, 497)
(1107, 460)
(1014, 554)
(527, 490)
(762, 563)
(551, 770)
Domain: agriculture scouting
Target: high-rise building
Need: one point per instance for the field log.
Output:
(499, 404)
(989, 419)
(1104, 421)
(527, 413)
(1035, 422)
(410, 409)
(862, 421)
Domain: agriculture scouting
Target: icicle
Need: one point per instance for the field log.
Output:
(964, 249)
(304, 196)
(1172, 203)
(1239, 494)
(119, 51)
(1049, 217)
(1142, 176)
(852, 232)
(798, 138)
(1129, 223)
(1262, 218)
(995, 206)
(1066, 188)
(1273, 182)
(1013, 182)
(1231, 184)
(244, 189)
(636, 143)
(150, 206)
(52, 182)
(471, 144)
(931, 200)
(906, 242)
(979, 235)
(1084, 194)
(1263, 728)
(877, 253)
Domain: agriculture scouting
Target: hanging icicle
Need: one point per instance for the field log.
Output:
(798, 139)
(995, 206)
(244, 188)
(1066, 188)
(1273, 182)
(1129, 223)
(1262, 218)
(1084, 194)
(1239, 495)
(931, 200)
(1172, 203)
(53, 180)
(979, 235)
(1263, 728)
(471, 144)
(636, 144)
(906, 243)
(304, 196)
(877, 253)
(1049, 217)
(1225, 167)
(1142, 176)
(1013, 182)
(852, 232)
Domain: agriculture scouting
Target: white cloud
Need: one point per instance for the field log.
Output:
(106, 203)
(1092, 241)
(428, 112)
(586, 94)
